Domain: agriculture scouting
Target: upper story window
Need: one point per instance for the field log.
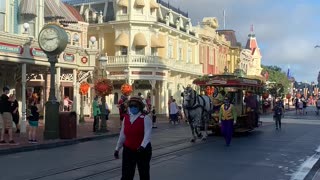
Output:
(180, 52)
(2, 14)
(170, 49)
(69, 38)
(211, 54)
(75, 39)
(124, 50)
(189, 55)
(124, 10)
(154, 51)
(140, 51)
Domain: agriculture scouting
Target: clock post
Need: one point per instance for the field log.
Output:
(52, 40)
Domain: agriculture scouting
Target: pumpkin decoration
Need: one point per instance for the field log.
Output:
(209, 90)
(126, 89)
(103, 87)
(265, 95)
(84, 88)
(288, 96)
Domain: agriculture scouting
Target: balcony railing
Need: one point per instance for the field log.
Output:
(154, 61)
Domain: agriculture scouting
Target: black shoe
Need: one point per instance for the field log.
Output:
(3, 142)
(12, 142)
(18, 131)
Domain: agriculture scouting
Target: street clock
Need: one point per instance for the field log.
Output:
(53, 39)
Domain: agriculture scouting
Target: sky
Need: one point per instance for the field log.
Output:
(286, 30)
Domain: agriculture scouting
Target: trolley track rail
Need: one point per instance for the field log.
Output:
(160, 151)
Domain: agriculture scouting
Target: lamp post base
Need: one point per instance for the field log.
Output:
(51, 130)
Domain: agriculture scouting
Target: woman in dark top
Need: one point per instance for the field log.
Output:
(15, 112)
(33, 122)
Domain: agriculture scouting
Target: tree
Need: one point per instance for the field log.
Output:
(278, 81)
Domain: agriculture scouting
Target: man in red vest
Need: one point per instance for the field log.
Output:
(135, 136)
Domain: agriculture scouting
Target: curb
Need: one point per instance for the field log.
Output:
(52, 145)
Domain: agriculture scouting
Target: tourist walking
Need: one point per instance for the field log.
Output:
(15, 112)
(6, 116)
(227, 116)
(33, 121)
(174, 112)
(278, 113)
(154, 117)
(135, 137)
(96, 113)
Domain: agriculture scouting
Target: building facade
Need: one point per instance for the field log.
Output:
(24, 66)
(149, 44)
(252, 45)
(213, 47)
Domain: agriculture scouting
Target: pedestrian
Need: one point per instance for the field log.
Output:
(15, 112)
(174, 110)
(169, 102)
(96, 113)
(278, 113)
(318, 105)
(107, 111)
(227, 116)
(135, 137)
(123, 109)
(33, 121)
(154, 117)
(66, 103)
(6, 116)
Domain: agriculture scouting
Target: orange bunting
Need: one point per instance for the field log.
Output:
(84, 88)
(103, 87)
(209, 90)
(126, 89)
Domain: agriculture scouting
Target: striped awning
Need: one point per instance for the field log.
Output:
(122, 40)
(139, 3)
(28, 7)
(154, 4)
(139, 40)
(123, 3)
(155, 42)
(51, 10)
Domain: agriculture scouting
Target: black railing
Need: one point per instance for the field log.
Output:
(177, 10)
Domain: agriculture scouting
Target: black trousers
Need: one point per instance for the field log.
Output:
(95, 123)
(130, 159)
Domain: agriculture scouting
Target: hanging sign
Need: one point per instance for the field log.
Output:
(11, 48)
(37, 52)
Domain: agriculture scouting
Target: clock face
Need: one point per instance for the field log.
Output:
(49, 40)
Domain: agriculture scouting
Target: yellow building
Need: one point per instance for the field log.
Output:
(150, 45)
(233, 57)
(213, 47)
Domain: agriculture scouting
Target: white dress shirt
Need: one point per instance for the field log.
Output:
(147, 131)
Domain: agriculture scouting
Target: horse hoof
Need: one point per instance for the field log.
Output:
(192, 140)
(204, 139)
(200, 136)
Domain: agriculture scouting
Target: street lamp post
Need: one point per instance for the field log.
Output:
(103, 127)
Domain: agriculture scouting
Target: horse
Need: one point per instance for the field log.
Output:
(199, 110)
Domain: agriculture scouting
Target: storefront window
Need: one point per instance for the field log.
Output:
(2, 14)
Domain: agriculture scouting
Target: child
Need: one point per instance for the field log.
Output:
(33, 122)
(154, 117)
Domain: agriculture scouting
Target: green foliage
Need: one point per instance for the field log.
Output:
(279, 82)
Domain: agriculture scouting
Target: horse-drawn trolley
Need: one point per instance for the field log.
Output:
(242, 91)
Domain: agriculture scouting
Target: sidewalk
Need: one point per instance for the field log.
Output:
(84, 133)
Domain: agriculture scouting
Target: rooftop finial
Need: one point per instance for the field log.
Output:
(251, 29)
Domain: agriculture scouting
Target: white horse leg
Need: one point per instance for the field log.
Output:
(193, 139)
(205, 127)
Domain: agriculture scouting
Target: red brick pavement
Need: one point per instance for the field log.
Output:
(84, 130)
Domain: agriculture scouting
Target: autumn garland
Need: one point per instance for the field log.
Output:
(103, 87)
(126, 89)
(84, 88)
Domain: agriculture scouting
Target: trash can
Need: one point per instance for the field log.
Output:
(67, 125)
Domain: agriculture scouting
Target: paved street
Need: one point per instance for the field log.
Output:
(263, 154)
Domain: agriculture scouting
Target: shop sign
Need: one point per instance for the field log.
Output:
(11, 48)
(37, 52)
(68, 57)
